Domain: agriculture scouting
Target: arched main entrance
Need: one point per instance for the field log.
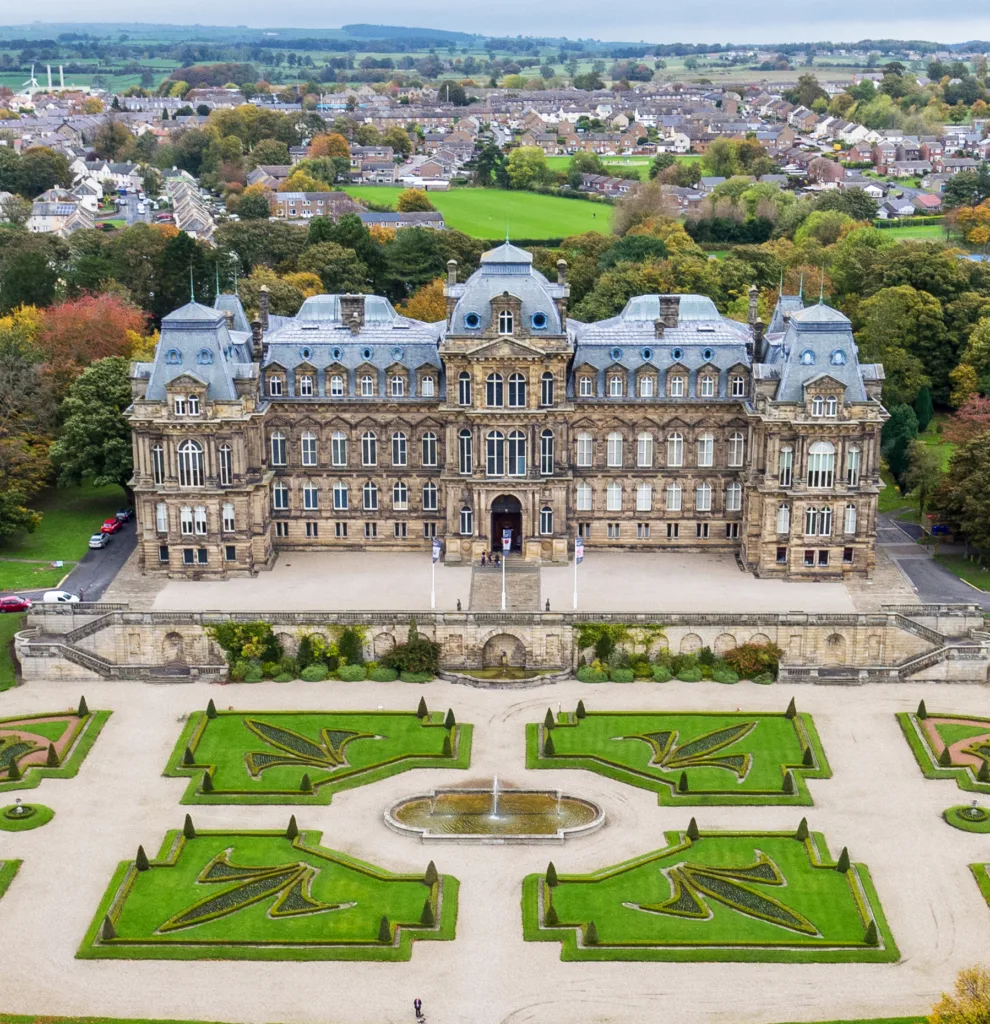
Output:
(506, 515)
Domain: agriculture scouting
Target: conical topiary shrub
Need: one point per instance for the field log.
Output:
(431, 877)
(551, 875)
(682, 783)
(591, 934)
(188, 829)
(548, 722)
(843, 862)
(550, 918)
(83, 709)
(945, 757)
(548, 748)
(52, 760)
(293, 829)
(789, 787)
(384, 931)
(984, 773)
(449, 721)
(305, 783)
(107, 930)
(13, 772)
(808, 758)
(447, 750)
(922, 711)
(693, 832)
(211, 709)
(791, 709)
(207, 786)
(422, 710)
(802, 830)
(581, 712)
(871, 938)
(427, 917)
(187, 758)
(141, 860)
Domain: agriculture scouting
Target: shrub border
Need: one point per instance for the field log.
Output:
(322, 791)
(8, 870)
(89, 729)
(861, 886)
(926, 758)
(94, 947)
(666, 789)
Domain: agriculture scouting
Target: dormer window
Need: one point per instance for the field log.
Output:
(397, 387)
(615, 386)
(645, 387)
(807, 357)
(818, 406)
(426, 387)
(193, 405)
(676, 387)
(472, 321)
(539, 321)
(838, 357)
(336, 386)
(173, 357)
(738, 386)
(205, 357)
(275, 386)
(179, 405)
(367, 386)
(707, 389)
(831, 406)
(306, 386)
(586, 387)
(506, 323)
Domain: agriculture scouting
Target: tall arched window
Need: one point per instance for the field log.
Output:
(464, 388)
(707, 387)
(817, 405)
(369, 448)
(308, 449)
(644, 451)
(706, 450)
(703, 498)
(370, 493)
(190, 464)
(673, 497)
(186, 521)
(517, 391)
(546, 453)
(225, 465)
(505, 321)
(161, 517)
(199, 514)
(399, 449)
(400, 496)
(467, 521)
(585, 449)
(158, 463)
(852, 467)
(278, 448)
(336, 386)
(465, 452)
(429, 448)
(306, 386)
(737, 449)
(429, 497)
(367, 386)
(733, 498)
(280, 497)
(340, 496)
(831, 406)
(275, 385)
(821, 464)
(675, 450)
(517, 453)
(615, 386)
(311, 496)
(818, 521)
(849, 520)
(546, 520)
(783, 518)
(494, 398)
(495, 453)
(584, 497)
(785, 466)
(397, 386)
(613, 497)
(546, 389)
(646, 387)
(338, 448)
(644, 498)
(614, 452)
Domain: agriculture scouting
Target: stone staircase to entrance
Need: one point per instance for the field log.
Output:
(522, 587)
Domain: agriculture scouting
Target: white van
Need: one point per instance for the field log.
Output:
(60, 597)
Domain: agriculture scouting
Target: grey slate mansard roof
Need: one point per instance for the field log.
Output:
(195, 341)
(231, 303)
(318, 336)
(506, 268)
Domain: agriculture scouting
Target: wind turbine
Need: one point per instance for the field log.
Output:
(31, 83)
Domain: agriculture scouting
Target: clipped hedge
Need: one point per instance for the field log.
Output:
(416, 677)
(690, 674)
(622, 675)
(662, 674)
(383, 674)
(315, 673)
(764, 678)
(724, 675)
(587, 674)
(352, 673)
(284, 677)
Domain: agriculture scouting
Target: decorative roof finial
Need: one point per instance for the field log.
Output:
(821, 289)
(192, 287)
(217, 268)
(780, 289)
(801, 287)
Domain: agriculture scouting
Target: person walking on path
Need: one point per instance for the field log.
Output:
(418, 1007)
(484, 560)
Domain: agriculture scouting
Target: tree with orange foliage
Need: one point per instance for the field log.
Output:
(971, 419)
(427, 304)
(299, 181)
(333, 144)
(974, 221)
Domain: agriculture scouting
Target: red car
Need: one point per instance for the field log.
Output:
(111, 526)
(14, 604)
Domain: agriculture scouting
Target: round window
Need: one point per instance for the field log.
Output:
(396, 353)
(336, 353)
(647, 353)
(808, 357)
(539, 320)
(366, 353)
(838, 357)
(472, 321)
(616, 353)
(678, 353)
(306, 353)
(173, 356)
(707, 355)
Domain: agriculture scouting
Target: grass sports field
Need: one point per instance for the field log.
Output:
(488, 212)
(620, 166)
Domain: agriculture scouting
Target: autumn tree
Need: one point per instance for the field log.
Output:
(970, 420)
(427, 304)
(527, 166)
(330, 144)
(413, 200)
(971, 1002)
(95, 440)
(112, 140)
(300, 181)
(253, 203)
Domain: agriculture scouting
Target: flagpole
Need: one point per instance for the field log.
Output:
(575, 577)
(503, 579)
(433, 585)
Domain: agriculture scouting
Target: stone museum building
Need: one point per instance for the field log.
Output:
(349, 426)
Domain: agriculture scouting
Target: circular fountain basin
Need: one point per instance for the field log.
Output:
(472, 815)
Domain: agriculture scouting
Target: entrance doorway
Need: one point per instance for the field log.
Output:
(506, 515)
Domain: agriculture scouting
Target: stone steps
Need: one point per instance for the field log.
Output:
(522, 588)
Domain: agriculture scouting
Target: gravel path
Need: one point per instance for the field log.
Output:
(877, 803)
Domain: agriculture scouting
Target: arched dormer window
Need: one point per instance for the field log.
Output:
(506, 321)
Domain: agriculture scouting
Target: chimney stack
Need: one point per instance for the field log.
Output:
(669, 306)
(561, 271)
(228, 317)
(263, 306)
(451, 271)
(351, 310)
(658, 327)
(754, 295)
(256, 339)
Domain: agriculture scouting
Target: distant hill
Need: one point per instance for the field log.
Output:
(407, 34)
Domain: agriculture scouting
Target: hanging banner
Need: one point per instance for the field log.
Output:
(436, 549)
(579, 550)
(506, 540)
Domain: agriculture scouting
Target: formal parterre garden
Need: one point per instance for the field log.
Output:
(687, 757)
(746, 896)
(304, 757)
(243, 895)
(51, 745)
(950, 746)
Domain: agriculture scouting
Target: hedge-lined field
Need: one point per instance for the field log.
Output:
(304, 757)
(688, 758)
(723, 896)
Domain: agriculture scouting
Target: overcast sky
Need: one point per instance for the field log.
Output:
(632, 20)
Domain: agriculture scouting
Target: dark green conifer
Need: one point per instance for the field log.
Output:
(551, 875)
(188, 830)
(693, 832)
(83, 710)
(384, 931)
(945, 757)
(591, 934)
(548, 722)
(448, 750)
(431, 877)
(548, 748)
(211, 709)
(789, 784)
(52, 760)
(422, 711)
(922, 710)
(682, 783)
(187, 757)
(871, 938)
(802, 830)
(427, 918)
(293, 830)
(207, 786)
(843, 862)
(449, 721)
(791, 709)
(550, 918)
(141, 860)
(107, 931)
(808, 758)
(305, 783)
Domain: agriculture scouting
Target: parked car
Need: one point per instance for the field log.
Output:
(111, 526)
(125, 515)
(15, 604)
(60, 597)
(99, 540)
